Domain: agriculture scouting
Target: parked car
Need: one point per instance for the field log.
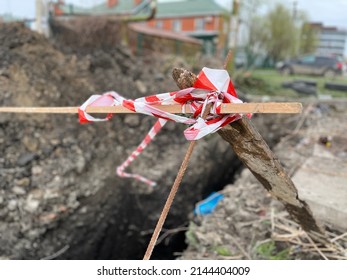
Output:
(327, 66)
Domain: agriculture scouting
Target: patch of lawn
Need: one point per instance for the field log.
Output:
(269, 251)
(269, 82)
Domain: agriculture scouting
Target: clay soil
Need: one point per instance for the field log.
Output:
(250, 224)
(59, 194)
(58, 187)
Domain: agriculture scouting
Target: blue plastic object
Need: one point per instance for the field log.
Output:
(208, 205)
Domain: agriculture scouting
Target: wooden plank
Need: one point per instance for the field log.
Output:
(264, 108)
(244, 108)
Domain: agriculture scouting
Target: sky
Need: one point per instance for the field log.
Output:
(330, 12)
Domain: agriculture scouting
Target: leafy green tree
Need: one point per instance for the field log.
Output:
(308, 39)
(280, 35)
(256, 37)
(252, 29)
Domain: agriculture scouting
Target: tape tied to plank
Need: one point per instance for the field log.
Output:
(213, 86)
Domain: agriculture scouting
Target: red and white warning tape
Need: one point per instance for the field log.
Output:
(212, 86)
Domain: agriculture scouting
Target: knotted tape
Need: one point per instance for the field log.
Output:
(213, 86)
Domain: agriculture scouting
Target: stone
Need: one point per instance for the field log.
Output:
(30, 143)
(47, 150)
(23, 182)
(159, 77)
(12, 204)
(141, 86)
(31, 204)
(72, 201)
(36, 170)
(55, 142)
(18, 190)
(80, 164)
(132, 120)
(83, 210)
(51, 194)
(171, 126)
(32, 234)
(25, 159)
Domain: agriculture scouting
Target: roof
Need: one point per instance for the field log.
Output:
(327, 29)
(122, 7)
(189, 8)
(164, 10)
(142, 28)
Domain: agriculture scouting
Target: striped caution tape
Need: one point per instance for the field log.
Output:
(213, 86)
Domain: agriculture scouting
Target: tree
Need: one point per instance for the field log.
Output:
(252, 30)
(256, 35)
(308, 39)
(280, 35)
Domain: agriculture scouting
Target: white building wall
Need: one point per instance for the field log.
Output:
(332, 42)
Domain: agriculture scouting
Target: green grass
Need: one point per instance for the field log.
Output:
(223, 251)
(191, 238)
(270, 83)
(269, 251)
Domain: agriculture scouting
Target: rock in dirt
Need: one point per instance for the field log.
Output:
(244, 224)
(52, 167)
(71, 167)
(26, 158)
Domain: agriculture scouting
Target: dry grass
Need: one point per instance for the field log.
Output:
(286, 231)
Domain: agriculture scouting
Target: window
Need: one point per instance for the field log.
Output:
(159, 24)
(321, 60)
(199, 24)
(176, 25)
(307, 59)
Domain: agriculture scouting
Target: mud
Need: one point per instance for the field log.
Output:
(245, 222)
(58, 188)
(58, 183)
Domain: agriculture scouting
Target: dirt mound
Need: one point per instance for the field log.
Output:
(249, 224)
(58, 188)
(86, 34)
(57, 177)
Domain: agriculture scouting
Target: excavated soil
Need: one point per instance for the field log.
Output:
(249, 224)
(59, 194)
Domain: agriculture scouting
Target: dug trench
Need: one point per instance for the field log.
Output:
(99, 216)
(116, 222)
(60, 197)
(120, 222)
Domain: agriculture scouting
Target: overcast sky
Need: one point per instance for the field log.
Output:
(330, 12)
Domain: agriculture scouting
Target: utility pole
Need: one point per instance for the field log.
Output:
(295, 21)
(234, 30)
(41, 22)
(295, 10)
(39, 13)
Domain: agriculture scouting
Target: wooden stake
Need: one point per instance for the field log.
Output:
(244, 108)
(253, 151)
